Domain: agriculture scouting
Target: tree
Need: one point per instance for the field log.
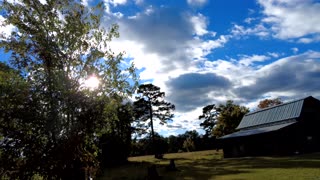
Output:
(269, 103)
(54, 127)
(13, 96)
(222, 120)
(188, 145)
(229, 118)
(173, 144)
(115, 145)
(209, 117)
(150, 105)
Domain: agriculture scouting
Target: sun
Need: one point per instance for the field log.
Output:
(92, 82)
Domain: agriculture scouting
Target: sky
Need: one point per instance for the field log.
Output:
(202, 52)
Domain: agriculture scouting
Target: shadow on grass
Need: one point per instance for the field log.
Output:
(138, 171)
(206, 168)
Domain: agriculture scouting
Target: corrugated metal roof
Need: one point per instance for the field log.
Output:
(273, 114)
(258, 130)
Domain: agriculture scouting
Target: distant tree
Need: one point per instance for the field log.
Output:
(229, 118)
(191, 134)
(150, 105)
(189, 145)
(269, 103)
(209, 117)
(173, 144)
(144, 146)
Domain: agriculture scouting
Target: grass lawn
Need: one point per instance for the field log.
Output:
(211, 165)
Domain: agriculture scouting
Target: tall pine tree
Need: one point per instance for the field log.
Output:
(150, 106)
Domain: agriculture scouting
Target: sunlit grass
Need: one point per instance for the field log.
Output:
(211, 165)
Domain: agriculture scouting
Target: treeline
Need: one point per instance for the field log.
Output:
(187, 142)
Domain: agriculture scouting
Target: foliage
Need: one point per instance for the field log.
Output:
(150, 105)
(269, 103)
(115, 145)
(209, 117)
(50, 122)
(222, 120)
(229, 118)
(145, 146)
(188, 145)
(172, 144)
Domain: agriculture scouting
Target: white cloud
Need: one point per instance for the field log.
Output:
(116, 2)
(149, 10)
(109, 3)
(249, 60)
(292, 18)
(273, 54)
(43, 1)
(259, 30)
(312, 39)
(249, 20)
(138, 2)
(118, 14)
(183, 122)
(85, 2)
(197, 3)
(294, 50)
(5, 29)
(200, 24)
(198, 48)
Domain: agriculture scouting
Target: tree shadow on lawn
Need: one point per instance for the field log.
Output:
(210, 168)
(138, 171)
(245, 164)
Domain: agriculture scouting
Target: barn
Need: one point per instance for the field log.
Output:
(289, 128)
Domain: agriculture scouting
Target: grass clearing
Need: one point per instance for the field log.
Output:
(211, 165)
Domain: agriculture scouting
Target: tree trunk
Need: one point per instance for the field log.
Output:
(152, 131)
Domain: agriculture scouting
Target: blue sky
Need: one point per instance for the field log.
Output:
(204, 52)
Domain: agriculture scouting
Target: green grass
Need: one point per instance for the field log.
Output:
(210, 165)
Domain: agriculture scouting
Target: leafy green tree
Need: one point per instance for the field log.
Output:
(150, 105)
(209, 117)
(116, 143)
(222, 120)
(52, 129)
(269, 103)
(13, 97)
(229, 118)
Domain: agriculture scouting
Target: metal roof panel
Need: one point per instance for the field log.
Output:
(261, 130)
(273, 114)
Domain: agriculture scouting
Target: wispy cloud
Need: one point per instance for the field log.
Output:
(197, 3)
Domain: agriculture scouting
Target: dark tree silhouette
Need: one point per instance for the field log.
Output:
(150, 105)
(209, 117)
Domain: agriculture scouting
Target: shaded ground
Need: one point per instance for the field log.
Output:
(210, 165)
